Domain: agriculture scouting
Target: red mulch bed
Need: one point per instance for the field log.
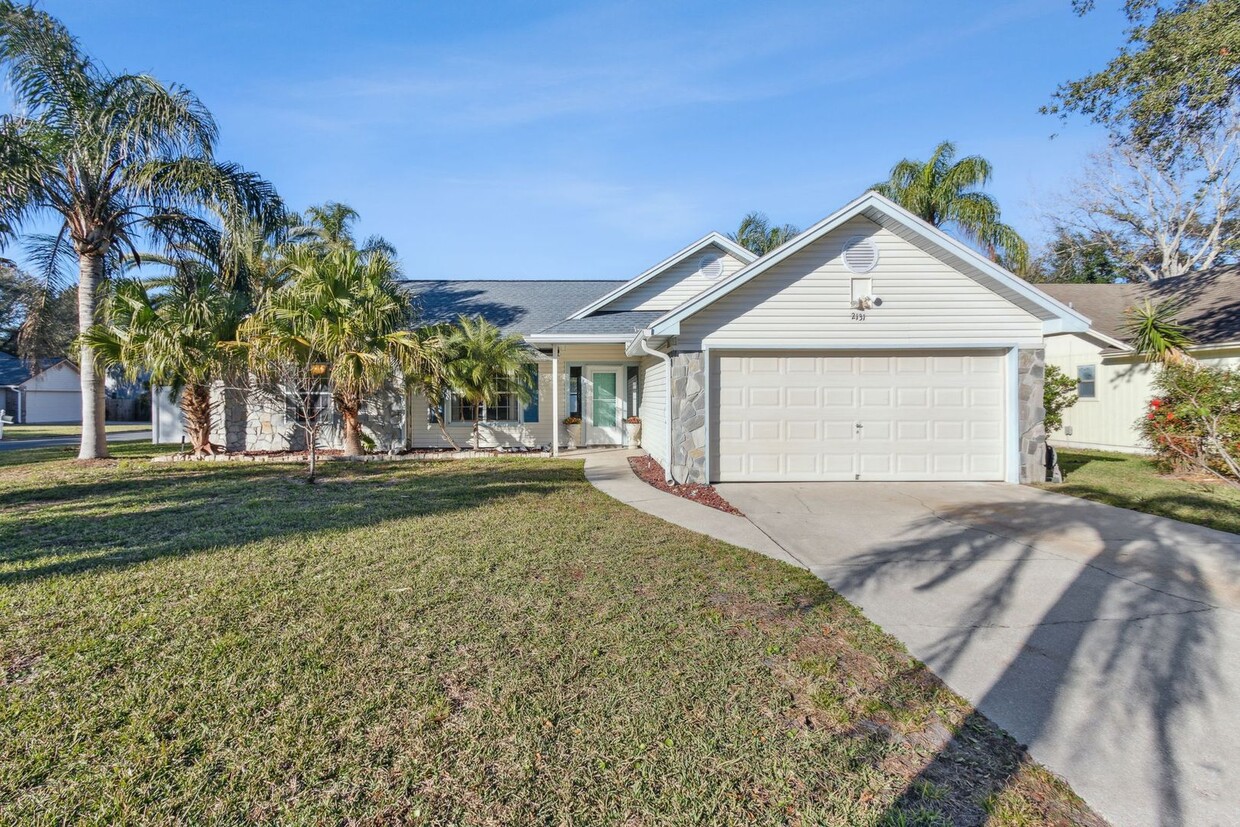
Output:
(651, 472)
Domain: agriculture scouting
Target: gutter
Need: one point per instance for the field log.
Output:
(667, 399)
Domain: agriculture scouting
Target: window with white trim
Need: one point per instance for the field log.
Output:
(1086, 381)
(507, 408)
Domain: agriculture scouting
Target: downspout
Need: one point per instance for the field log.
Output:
(667, 400)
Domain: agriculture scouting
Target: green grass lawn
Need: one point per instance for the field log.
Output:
(487, 642)
(1130, 481)
(47, 431)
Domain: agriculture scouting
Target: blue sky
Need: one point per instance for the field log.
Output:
(561, 140)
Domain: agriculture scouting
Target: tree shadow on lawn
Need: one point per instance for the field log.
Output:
(1201, 507)
(1107, 662)
(125, 517)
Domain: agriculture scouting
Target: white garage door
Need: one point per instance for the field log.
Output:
(53, 406)
(867, 416)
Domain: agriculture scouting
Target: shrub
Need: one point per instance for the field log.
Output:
(1194, 421)
(1058, 394)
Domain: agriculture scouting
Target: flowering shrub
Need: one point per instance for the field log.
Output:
(1194, 421)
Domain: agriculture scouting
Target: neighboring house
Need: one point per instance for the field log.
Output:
(871, 347)
(1115, 383)
(53, 394)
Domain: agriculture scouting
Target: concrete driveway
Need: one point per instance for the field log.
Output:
(1106, 640)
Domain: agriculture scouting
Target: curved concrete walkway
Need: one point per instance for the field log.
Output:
(611, 473)
(1106, 640)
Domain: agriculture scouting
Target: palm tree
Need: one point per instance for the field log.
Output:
(111, 156)
(942, 192)
(183, 336)
(484, 364)
(341, 314)
(756, 234)
(430, 379)
(331, 225)
(1156, 332)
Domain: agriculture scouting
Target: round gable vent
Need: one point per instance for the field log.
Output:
(711, 266)
(860, 254)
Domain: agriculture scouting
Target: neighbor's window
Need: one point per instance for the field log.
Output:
(1086, 386)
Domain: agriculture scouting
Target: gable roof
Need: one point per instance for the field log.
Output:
(14, 371)
(1056, 317)
(1211, 303)
(520, 307)
(708, 240)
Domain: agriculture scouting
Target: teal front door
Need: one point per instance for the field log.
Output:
(604, 407)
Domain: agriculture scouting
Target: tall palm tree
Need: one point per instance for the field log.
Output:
(484, 364)
(943, 191)
(756, 234)
(340, 310)
(111, 156)
(183, 336)
(331, 225)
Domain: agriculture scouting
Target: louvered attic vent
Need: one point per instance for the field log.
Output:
(711, 266)
(860, 254)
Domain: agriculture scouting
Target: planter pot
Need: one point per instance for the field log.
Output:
(632, 434)
(574, 435)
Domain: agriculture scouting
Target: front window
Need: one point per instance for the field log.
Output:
(507, 408)
(1086, 384)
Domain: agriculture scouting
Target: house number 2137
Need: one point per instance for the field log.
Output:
(858, 316)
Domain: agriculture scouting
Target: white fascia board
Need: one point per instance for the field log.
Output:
(713, 238)
(579, 338)
(669, 323)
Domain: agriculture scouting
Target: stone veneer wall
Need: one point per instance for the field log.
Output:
(688, 448)
(248, 421)
(1032, 373)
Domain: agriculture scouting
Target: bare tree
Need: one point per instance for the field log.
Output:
(1161, 219)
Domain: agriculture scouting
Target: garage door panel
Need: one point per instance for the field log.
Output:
(802, 397)
(933, 416)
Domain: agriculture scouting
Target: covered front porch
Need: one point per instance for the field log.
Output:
(592, 382)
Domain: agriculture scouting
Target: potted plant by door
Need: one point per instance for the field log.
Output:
(632, 432)
(572, 424)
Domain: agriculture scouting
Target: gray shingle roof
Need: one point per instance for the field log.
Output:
(13, 371)
(514, 306)
(626, 322)
(1211, 303)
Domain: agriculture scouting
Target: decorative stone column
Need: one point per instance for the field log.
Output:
(1031, 374)
(688, 448)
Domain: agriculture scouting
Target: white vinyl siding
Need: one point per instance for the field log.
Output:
(653, 378)
(805, 301)
(804, 416)
(1123, 387)
(676, 285)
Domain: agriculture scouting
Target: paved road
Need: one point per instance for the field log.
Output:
(1106, 640)
(17, 444)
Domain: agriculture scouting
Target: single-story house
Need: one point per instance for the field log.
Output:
(51, 394)
(871, 347)
(1115, 383)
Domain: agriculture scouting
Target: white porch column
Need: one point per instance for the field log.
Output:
(555, 400)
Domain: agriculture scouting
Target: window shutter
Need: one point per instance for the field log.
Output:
(530, 414)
